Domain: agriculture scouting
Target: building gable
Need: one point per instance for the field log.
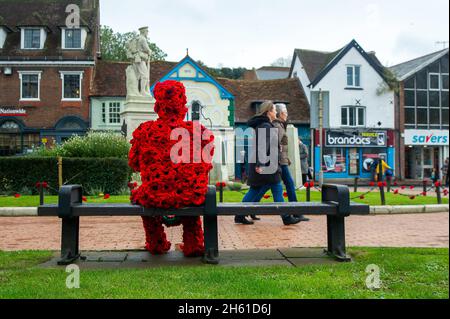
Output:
(189, 70)
(353, 44)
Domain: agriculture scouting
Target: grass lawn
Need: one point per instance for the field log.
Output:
(372, 199)
(405, 273)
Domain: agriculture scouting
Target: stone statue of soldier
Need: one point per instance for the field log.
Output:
(138, 74)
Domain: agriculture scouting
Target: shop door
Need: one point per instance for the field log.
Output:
(428, 161)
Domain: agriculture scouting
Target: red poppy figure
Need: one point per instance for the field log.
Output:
(174, 159)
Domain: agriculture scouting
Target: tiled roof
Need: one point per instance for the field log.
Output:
(110, 77)
(406, 69)
(246, 93)
(52, 15)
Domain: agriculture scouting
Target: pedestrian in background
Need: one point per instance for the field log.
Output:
(304, 156)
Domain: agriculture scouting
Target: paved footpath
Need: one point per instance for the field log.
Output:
(126, 233)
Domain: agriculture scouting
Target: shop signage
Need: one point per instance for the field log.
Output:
(356, 139)
(9, 111)
(426, 137)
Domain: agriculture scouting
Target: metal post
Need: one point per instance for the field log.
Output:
(438, 193)
(41, 194)
(380, 181)
(424, 185)
(355, 186)
(60, 174)
(221, 192)
(320, 137)
(308, 192)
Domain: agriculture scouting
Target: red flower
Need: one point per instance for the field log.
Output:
(311, 184)
(424, 193)
(411, 187)
(396, 192)
(266, 196)
(44, 184)
(412, 197)
(372, 184)
(306, 185)
(437, 184)
(385, 184)
(17, 195)
(107, 196)
(395, 184)
(403, 187)
(380, 184)
(84, 198)
(285, 194)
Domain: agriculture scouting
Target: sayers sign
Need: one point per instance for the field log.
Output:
(355, 139)
(426, 137)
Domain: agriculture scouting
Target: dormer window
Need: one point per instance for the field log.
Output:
(353, 76)
(73, 38)
(33, 38)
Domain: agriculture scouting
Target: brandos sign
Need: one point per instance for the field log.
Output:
(355, 139)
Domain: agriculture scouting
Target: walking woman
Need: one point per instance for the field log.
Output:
(281, 124)
(264, 170)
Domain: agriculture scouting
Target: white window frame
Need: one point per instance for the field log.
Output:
(106, 106)
(39, 74)
(80, 74)
(353, 66)
(42, 38)
(83, 38)
(348, 107)
(429, 81)
(110, 105)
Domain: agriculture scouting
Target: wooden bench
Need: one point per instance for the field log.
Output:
(335, 205)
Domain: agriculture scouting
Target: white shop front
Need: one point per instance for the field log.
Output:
(425, 151)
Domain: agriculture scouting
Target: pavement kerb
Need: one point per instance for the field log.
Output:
(374, 210)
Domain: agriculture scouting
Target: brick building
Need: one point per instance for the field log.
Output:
(46, 72)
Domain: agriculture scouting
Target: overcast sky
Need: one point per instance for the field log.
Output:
(253, 33)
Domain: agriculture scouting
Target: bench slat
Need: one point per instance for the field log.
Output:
(224, 209)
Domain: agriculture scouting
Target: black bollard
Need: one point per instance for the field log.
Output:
(221, 192)
(381, 184)
(308, 192)
(424, 185)
(355, 186)
(389, 183)
(41, 194)
(438, 193)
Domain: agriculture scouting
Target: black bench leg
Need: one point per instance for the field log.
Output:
(211, 240)
(69, 240)
(336, 238)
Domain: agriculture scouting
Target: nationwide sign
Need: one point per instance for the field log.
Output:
(355, 139)
(6, 111)
(427, 137)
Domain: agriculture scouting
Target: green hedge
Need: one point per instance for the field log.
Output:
(20, 174)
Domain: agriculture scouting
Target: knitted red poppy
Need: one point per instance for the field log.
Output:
(174, 169)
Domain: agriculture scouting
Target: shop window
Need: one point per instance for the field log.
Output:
(435, 116)
(410, 98)
(410, 83)
(434, 99)
(444, 81)
(369, 155)
(422, 98)
(410, 116)
(434, 81)
(334, 160)
(444, 99)
(422, 80)
(422, 116)
(444, 64)
(444, 116)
